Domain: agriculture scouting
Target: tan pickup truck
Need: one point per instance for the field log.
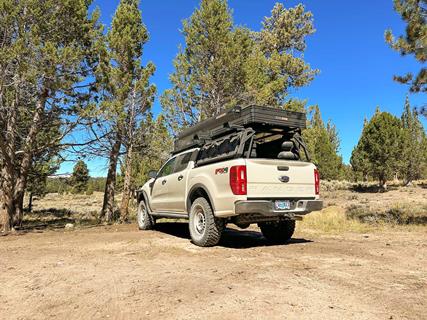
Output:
(266, 181)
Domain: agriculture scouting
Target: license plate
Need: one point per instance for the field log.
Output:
(282, 205)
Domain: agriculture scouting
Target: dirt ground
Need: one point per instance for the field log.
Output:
(118, 272)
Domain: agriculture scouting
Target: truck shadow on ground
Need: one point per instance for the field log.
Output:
(231, 238)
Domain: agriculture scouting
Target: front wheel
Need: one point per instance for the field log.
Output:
(278, 232)
(205, 228)
(145, 220)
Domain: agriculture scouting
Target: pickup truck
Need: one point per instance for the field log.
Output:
(244, 177)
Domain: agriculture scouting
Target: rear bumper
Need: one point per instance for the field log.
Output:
(266, 208)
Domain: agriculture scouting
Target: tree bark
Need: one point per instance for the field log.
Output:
(19, 209)
(107, 212)
(4, 217)
(21, 181)
(8, 173)
(30, 202)
(124, 208)
(7, 205)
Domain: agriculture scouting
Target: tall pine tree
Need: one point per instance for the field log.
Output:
(414, 157)
(414, 42)
(222, 65)
(380, 147)
(359, 158)
(80, 177)
(127, 93)
(47, 57)
(323, 145)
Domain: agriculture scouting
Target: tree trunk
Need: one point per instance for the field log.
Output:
(6, 202)
(383, 184)
(7, 205)
(8, 174)
(124, 208)
(108, 204)
(30, 202)
(19, 209)
(21, 181)
(5, 213)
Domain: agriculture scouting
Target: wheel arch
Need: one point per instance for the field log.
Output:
(142, 196)
(196, 191)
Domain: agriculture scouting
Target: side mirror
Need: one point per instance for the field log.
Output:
(152, 174)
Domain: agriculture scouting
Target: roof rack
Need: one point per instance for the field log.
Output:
(237, 119)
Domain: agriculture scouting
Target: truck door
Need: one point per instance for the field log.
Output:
(177, 183)
(160, 190)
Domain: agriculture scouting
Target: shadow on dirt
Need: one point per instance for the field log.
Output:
(51, 219)
(360, 188)
(231, 237)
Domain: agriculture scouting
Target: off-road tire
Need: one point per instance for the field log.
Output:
(143, 217)
(278, 232)
(206, 233)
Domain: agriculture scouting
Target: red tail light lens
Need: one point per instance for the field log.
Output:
(238, 181)
(316, 182)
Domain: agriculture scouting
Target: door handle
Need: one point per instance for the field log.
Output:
(163, 182)
(180, 177)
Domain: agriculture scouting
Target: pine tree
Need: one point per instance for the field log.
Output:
(381, 147)
(80, 177)
(127, 93)
(413, 150)
(37, 177)
(414, 13)
(207, 75)
(154, 149)
(222, 65)
(276, 62)
(47, 54)
(323, 145)
(359, 158)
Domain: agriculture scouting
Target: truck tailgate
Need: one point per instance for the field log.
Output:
(275, 178)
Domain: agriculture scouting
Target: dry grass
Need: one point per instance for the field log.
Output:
(347, 210)
(55, 211)
(400, 208)
(336, 220)
(371, 186)
(332, 220)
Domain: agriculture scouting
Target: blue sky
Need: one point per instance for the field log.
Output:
(348, 47)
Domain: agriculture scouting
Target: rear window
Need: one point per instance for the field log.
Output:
(287, 146)
(272, 144)
(182, 161)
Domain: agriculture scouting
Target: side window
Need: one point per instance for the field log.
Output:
(167, 168)
(182, 161)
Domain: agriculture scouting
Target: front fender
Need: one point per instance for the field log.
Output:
(144, 193)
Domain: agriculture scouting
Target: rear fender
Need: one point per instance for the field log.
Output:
(205, 192)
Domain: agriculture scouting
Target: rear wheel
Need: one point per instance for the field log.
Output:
(145, 220)
(278, 232)
(205, 228)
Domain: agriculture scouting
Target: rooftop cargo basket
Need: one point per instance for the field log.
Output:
(255, 117)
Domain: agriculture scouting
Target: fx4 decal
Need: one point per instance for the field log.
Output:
(221, 170)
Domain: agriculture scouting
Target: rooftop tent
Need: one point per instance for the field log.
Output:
(258, 119)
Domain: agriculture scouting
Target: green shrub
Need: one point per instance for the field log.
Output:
(400, 214)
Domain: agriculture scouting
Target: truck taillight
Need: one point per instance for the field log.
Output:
(238, 181)
(316, 182)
